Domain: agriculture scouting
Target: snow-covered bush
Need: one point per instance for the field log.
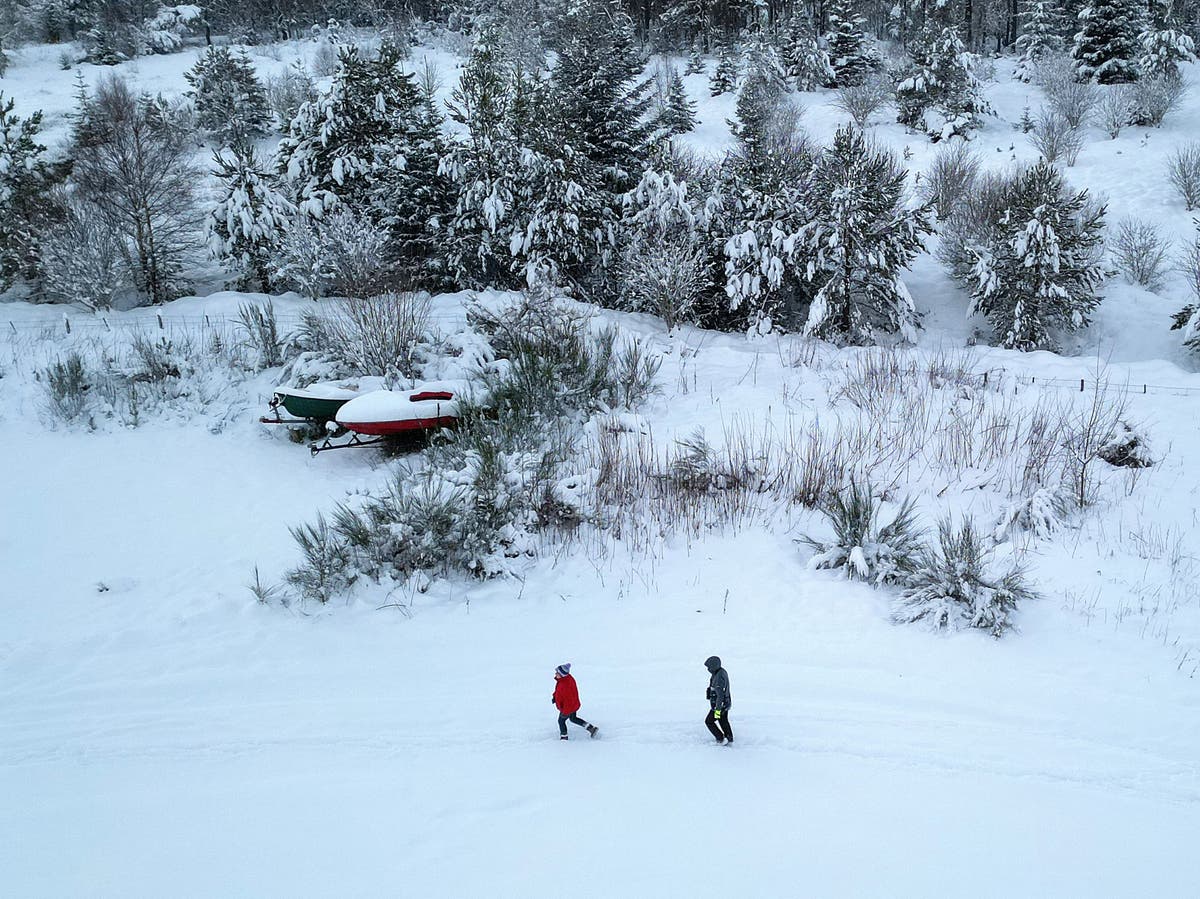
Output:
(327, 568)
(24, 182)
(1127, 448)
(66, 382)
(170, 27)
(1066, 95)
(863, 98)
(938, 92)
(1055, 138)
(861, 547)
(1040, 514)
(1153, 98)
(1114, 109)
(951, 176)
(378, 335)
(952, 586)
(851, 54)
(1183, 171)
(697, 465)
(1139, 252)
(342, 254)
(1089, 430)
(82, 259)
(666, 279)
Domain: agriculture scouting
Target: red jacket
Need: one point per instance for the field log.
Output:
(566, 695)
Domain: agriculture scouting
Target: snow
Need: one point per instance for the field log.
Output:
(166, 734)
(387, 405)
(347, 388)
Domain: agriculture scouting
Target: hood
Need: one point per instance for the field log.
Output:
(712, 663)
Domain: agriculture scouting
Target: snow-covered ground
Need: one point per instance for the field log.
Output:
(164, 734)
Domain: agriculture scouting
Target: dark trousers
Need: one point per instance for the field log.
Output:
(573, 718)
(719, 727)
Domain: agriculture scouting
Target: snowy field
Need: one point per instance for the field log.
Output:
(163, 734)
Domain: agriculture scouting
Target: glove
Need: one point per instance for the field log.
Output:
(716, 714)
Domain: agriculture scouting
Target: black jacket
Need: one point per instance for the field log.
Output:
(719, 696)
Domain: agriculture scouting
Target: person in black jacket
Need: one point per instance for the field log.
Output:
(720, 701)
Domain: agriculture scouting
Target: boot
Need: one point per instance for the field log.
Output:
(562, 736)
(592, 729)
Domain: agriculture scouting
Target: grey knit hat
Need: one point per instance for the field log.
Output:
(563, 670)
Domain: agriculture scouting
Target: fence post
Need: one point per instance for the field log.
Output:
(1145, 389)
(985, 379)
(158, 315)
(13, 325)
(105, 320)
(67, 322)
(1081, 385)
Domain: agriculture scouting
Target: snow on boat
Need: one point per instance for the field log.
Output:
(321, 401)
(384, 413)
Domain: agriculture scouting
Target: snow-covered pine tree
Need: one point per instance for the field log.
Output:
(941, 78)
(229, 99)
(725, 75)
(413, 200)
(342, 144)
(762, 91)
(850, 53)
(24, 179)
(484, 167)
(1106, 47)
(677, 115)
(1163, 49)
(245, 226)
(806, 60)
(1041, 35)
(598, 95)
(1039, 267)
(695, 62)
(859, 238)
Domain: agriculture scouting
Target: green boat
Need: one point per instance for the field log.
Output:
(318, 402)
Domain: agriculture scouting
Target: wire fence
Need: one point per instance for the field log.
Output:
(66, 326)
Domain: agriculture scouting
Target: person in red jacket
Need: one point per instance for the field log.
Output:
(566, 700)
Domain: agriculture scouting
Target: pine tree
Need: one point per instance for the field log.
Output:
(24, 180)
(806, 60)
(1106, 47)
(762, 92)
(1162, 52)
(940, 78)
(725, 75)
(695, 63)
(342, 144)
(1041, 35)
(1187, 319)
(247, 223)
(598, 93)
(849, 52)
(677, 114)
(413, 201)
(1039, 269)
(230, 101)
(860, 238)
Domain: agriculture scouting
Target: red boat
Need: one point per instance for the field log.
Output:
(391, 413)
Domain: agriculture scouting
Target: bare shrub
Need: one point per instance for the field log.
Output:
(1152, 99)
(287, 92)
(261, 328)
(1183, 170)
(861, 101)
(1088, 431)
(324, 62)
(378, 336)
(1139, 252)
(1070, 98)
(950, 177)
(1114, 109)
(343, 254)
(137, 172)
(1056, 138)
